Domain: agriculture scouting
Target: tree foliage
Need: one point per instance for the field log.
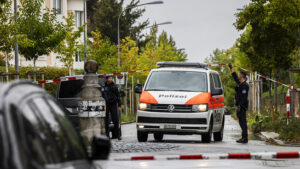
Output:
(104, 18)
(271, 33)
(158, 48)
(232, 55)
(40, 27)
(69, 46)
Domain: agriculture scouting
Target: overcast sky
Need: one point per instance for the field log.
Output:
(199, 26)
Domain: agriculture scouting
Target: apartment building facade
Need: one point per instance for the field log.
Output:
(62, 7)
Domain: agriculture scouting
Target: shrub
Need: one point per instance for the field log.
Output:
(50, 73)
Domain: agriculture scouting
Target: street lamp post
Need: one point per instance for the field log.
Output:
(149, 3)
(85, 30)
(16, 44)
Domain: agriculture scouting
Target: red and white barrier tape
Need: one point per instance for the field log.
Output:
(256, 156)
(136, 71)
(265, 77)
(81, 77)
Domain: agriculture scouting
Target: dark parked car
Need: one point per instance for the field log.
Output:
(35, 133)
(69, 94)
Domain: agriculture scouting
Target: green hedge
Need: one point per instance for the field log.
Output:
(50, 73)
(263, 122)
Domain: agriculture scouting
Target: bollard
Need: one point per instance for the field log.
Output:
(92, 114)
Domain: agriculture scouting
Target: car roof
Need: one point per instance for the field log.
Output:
(183, 69)
(15, 92)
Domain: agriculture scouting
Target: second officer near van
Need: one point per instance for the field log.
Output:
(241, 102)
(113, 105)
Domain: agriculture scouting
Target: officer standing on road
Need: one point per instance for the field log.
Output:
(241, 102)
(113, 105)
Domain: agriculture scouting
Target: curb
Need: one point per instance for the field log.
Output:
(241, 156)
(271, 140)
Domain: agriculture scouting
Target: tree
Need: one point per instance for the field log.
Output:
(271, 34)
(69, 46)
(105, 19)
(104, 52)
(232, 55)
(8, 33)
(40, 27)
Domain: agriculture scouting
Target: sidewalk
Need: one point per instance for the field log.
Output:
(272, 138)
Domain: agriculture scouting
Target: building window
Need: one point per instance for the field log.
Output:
(78, 18)
(57, 6)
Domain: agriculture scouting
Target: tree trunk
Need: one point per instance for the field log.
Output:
(272, 112)
(70, 70)
(6, 66)
(126, 94)
(270, 94)
(275, 92)
(34, 70)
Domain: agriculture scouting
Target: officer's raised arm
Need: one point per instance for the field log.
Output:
(234, 75)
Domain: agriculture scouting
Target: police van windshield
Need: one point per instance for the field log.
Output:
(177, 81)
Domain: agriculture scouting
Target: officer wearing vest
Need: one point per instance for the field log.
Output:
(241, 102)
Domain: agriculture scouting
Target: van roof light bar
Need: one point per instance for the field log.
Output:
(182, 64)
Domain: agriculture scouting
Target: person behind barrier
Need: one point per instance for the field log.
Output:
(241, 101)
(113, 105)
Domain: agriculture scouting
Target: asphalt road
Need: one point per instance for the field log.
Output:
(181, 145)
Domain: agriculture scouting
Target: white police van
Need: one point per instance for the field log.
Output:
(181, 98)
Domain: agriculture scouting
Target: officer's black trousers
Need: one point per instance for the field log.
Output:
(112, 111)
(243, 122)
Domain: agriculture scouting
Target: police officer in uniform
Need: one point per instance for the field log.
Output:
(113, 106)
(241, 102)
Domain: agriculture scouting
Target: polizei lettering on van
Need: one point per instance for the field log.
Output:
(172, 96)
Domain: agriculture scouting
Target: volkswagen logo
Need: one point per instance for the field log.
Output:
(171, 108)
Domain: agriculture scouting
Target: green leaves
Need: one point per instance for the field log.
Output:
(104, 18)
(39, 27)
(270, 36)
(161, 48)
(70, 45)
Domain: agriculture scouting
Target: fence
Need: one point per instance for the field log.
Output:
(281, 102)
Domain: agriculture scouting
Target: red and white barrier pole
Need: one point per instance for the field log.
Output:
(288, 100)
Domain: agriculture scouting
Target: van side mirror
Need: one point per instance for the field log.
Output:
(138, 88)
(100, 147)
(216, 92)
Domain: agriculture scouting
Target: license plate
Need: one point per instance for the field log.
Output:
(170, 126)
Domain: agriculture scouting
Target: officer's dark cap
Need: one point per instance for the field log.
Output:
(244, 74)
(108, 76)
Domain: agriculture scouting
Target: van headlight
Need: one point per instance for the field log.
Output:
(200, 107)
(143, 106)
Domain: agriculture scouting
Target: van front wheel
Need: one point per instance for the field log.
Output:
(206, 138)
(142, 136)
(218, 136)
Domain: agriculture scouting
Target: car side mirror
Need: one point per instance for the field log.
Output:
(100, 147)
(138, 88)
(217, 92)
(122, 93)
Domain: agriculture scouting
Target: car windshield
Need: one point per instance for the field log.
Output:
(177, 81)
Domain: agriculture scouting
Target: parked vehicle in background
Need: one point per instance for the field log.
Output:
(226, 111)
(181, 98)
(69, 94)
(36, 134)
